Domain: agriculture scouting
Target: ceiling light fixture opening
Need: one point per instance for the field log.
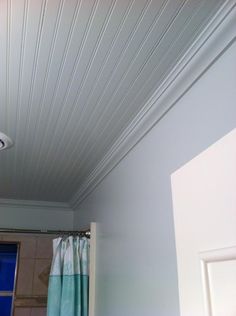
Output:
(5, 141)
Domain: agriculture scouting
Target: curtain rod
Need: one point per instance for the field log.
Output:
(85, 233)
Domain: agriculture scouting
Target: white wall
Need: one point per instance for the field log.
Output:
(35, 217)
(136, 257)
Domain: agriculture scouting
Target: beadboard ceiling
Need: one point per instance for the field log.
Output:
(74, 74)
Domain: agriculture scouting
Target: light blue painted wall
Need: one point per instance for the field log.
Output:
(35, 217)
(136, 258)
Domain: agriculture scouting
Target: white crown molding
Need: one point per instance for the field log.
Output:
(214, 40)
(35, 204)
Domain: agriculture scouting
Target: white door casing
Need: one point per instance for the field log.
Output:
(92, 269)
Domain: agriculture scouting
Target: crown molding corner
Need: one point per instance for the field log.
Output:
(209, 46)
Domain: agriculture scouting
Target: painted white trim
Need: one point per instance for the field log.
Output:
(207, 257)
(214, 40)
(35, 204)
(92, 269)
(222, 254)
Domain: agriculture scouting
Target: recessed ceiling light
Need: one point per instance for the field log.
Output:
(5, 141)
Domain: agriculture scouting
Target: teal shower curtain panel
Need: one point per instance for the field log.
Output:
(69, 278)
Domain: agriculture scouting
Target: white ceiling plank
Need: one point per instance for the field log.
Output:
(53, 112)
(146, 11)
(111, 111)
(74, 75)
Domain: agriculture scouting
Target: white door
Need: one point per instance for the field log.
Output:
(204, 203)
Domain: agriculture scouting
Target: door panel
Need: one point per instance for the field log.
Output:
(219, 281)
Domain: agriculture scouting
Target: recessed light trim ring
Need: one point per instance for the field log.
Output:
(5, 141)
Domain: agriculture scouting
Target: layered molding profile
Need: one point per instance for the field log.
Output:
(35, 204)
(209, 46)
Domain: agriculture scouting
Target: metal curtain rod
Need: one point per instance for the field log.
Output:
(85, 233)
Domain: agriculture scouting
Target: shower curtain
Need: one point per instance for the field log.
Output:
(69, 279)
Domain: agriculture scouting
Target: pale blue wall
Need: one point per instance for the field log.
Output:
(35, 217)
(136, 258)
